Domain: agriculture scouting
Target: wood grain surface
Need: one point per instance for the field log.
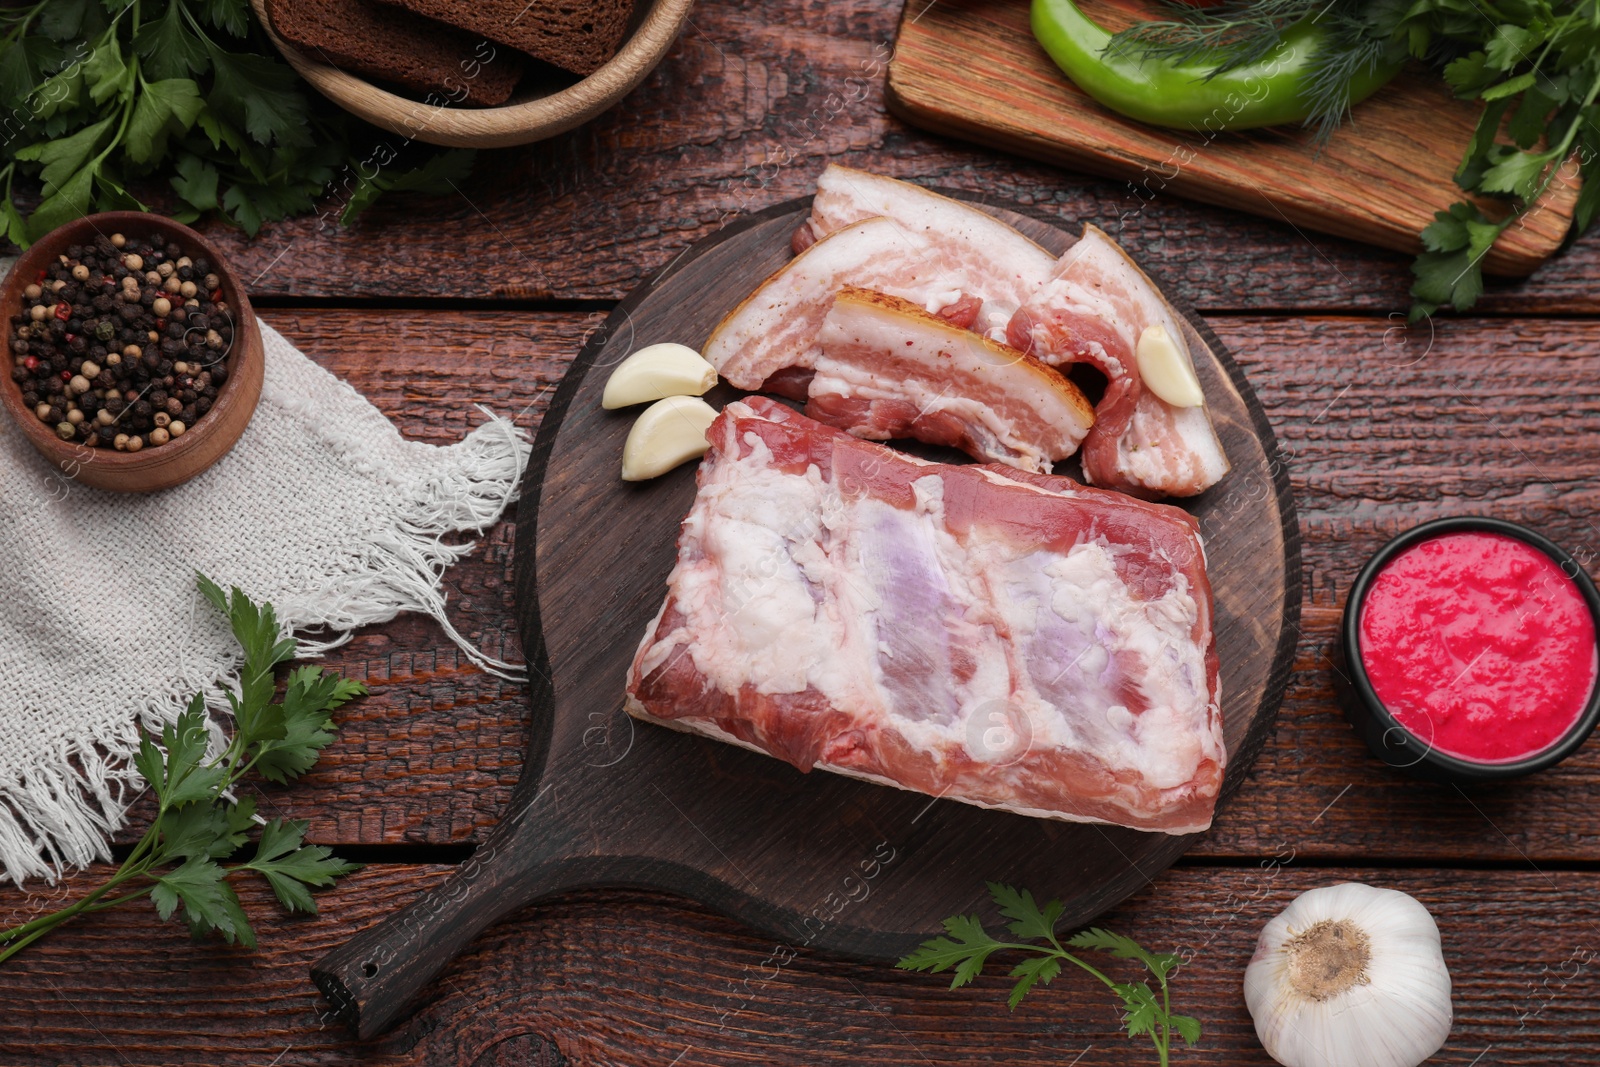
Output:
(971, 69)
(628, 978)
(431, 305)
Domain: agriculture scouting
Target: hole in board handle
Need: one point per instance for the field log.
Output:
(369, 969)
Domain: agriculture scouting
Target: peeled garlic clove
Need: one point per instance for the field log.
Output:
(668, 432)
(1166, 369)
(1350, 974)
(655, 372)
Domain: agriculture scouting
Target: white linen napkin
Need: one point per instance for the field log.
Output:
(321, 508)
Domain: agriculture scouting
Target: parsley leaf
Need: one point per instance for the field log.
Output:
(1468, 74)
(107, 74)
(59, 97)
(966, 949)
(214, 831)
(255, 627)
(291, 866)
(65, 157)
(20, 67)
(1040, 969)
(1509, 46)
(168, 50)
(307, 728)
(64, 203)
(209, 903)
(1188, 1027)
(230, 16)
(1442, 278)
(63, 20)
(259, 95)
(180, 777)
(196, 182)
(1531, 117)
(1030, 920)
(164, 108)
(1514, 172)
(1450, 271)
(13, 227)
(1140, 1010)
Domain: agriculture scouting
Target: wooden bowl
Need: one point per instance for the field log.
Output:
(159, 466)
(533, 117)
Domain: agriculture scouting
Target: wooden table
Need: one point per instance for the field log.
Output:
(432, 306)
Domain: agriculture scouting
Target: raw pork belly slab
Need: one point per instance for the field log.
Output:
(1011, 640)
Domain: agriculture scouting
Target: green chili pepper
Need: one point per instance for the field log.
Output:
(1192, 93)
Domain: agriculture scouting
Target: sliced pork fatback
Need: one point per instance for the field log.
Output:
(846, 196)
(1009, 640)
(888, 369)
(770, 340)
(1094, 310)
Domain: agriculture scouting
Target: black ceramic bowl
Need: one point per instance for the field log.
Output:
(1394, 743)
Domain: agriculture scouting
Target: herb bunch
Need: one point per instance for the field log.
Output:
(96, 94)
(199, 825)
(968, 947)
(1533, 64)
(1536, 67)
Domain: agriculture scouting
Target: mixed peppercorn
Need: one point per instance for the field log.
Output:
(122, 343)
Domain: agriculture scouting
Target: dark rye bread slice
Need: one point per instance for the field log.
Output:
(575, 35)
(383, 42)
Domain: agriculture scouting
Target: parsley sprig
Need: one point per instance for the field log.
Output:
(199, 824)
(96, 95)
(968, 947)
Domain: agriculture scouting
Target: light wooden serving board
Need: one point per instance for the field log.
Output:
(971, 69)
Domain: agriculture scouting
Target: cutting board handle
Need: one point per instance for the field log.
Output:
(371, 979)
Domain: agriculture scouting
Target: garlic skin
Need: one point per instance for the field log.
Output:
(1350, 975)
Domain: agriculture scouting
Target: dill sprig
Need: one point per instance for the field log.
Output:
(1233, 33)
(1237, 33)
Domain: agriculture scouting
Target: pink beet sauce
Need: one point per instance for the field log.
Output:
(1479, 643)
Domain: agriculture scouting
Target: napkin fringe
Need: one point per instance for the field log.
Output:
(62, 813)
(401, 569)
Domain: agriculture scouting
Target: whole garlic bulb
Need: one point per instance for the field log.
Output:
(1350, 975)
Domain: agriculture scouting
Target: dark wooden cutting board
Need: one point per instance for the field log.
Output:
(971, 69)
(818, 861)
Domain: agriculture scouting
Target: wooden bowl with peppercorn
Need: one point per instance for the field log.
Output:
(136, 362)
